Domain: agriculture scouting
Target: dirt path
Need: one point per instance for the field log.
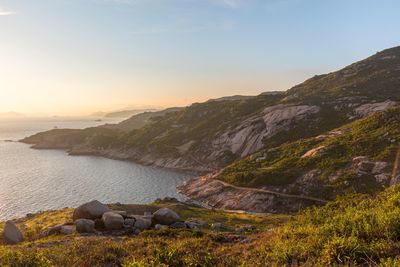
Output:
(273, 192)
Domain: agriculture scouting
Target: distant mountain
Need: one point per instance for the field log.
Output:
(11, 115)
(127, 113)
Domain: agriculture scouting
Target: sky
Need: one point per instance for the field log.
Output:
(74, 57)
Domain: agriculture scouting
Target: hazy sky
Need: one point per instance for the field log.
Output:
(79, 56)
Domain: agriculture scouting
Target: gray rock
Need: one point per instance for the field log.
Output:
(91, 210)
(166, 216)
(113, 221)
(192, 225)
(178, 225)
(52, 231)
(130, 222)
(142, 223)
(84, 226)
(160, 227)
(120, 212)
(67, 230)
(12, 235)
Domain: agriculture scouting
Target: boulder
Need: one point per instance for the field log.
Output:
(142, 223)
(84, 226)
(12, 235)
(121, 212)
(91, 210)
(67, 230)
(113, 221)
(130, 222)
(178, 225)
(166, 216)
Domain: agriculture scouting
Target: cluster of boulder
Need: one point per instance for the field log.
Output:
(96, 217)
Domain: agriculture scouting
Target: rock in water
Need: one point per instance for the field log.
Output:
(12, 235)
(91, 210)
(113, 221)
(166, 216)
(84, 226)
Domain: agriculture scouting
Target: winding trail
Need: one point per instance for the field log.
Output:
(273, 192)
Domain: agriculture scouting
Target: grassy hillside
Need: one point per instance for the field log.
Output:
(211, 135)
(353, 230)
(376, 137)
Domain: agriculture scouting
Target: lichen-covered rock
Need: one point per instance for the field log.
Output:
(113, 221)
(166, 216)
(12, 235)
(91, 210)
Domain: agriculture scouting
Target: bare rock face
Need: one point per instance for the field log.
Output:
(166, 216)
(12, 235)
(369, 108)
(217, 194)
(91, 210)
(248, 137)
(84, 226)
(113, 221)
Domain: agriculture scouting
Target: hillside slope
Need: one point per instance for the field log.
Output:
(355, 158)
(208, 136)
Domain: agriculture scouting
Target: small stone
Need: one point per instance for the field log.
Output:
(216, 226)
(178, 225)
(67, 230)
(84, 226)
(130, 222)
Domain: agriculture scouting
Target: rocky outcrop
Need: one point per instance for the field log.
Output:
(249, 136)
(91, 210)
(217, 194)
(12, 235)
(369, 108)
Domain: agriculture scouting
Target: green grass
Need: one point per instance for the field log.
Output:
(352, 230)
(376, 136)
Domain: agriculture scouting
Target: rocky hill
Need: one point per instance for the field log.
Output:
(275, 152)
(207, 136)
(355, 158)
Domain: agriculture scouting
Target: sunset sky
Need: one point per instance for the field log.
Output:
(74, 57)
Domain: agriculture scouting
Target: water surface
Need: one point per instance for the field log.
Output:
(33, 180)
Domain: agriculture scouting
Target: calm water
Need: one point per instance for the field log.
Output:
(33, 180)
